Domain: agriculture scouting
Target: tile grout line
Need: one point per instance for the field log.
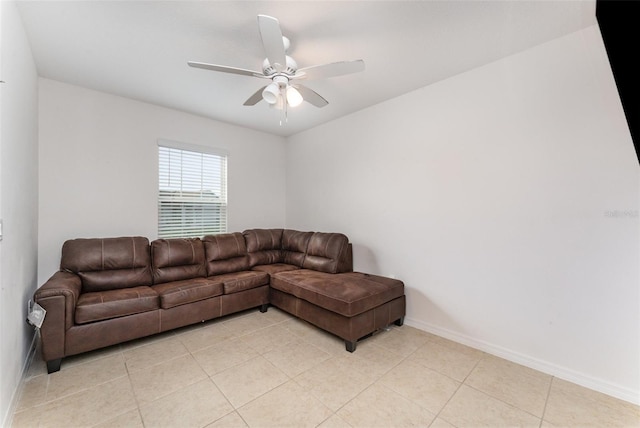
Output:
(496, 398)
(135, 397)
(210, 377)
(235, 410)
(380, 359)
(84, 389)
(458, 389)
(375, 381)
(546, 401)
(133, 391)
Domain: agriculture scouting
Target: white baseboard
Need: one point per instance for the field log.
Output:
(17, 393)
(560, 372)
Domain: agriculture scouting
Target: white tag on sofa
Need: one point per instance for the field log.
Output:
(36, 315)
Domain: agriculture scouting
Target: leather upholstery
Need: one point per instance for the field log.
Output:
(364, 291)
(264, 246)
(177, 293)
(275, 268)
(95, 335)
(108, 263)
(67, 287)
(349, 328)
(235, 302)
(58, 296)
(235, 282)
(111, 290)
(177, 259)
(196, 312)
(102, 305)
(294, 246)
(327, 252)
(225, 253)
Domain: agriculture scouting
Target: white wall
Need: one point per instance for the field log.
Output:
(18, 200)
(507, 200)
(98, 167)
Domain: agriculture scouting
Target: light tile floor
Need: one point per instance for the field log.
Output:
(261, 370)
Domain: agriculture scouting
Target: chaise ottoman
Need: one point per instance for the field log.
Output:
(350, 305)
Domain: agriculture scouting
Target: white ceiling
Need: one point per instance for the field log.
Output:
(140, 49)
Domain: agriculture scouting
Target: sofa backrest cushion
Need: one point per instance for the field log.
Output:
(294, 246)
(108, 263)
(264, 246)
(225, 253)
(177, 259)
(328, 252)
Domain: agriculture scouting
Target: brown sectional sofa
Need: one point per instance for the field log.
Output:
(111, 290)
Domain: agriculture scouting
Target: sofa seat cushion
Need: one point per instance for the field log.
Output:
(103, 305)
(241, 281)
(178, 293)
(348, 294)
(275, 268)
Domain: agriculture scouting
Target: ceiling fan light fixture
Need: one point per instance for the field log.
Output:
(271, 93)
(279, 104)
(294, 98)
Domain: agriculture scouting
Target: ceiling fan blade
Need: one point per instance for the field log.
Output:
(311, 96)
(330, 70)
(225, 69)
(255, 98)
(272, 41)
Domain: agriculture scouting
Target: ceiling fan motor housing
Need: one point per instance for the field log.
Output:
(269, 70)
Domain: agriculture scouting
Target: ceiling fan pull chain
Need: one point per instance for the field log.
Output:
(286, 110)
(285, 103)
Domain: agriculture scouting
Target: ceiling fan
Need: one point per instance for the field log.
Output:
(283, 71)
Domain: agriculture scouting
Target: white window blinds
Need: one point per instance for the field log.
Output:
(192, 192)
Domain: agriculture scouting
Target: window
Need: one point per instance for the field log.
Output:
(192, 191)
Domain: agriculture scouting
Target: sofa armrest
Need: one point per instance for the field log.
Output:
(58, 296)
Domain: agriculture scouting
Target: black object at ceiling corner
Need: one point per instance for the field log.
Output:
(618, 22)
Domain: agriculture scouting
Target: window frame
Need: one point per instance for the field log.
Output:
(190, 206)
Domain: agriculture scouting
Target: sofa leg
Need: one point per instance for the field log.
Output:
(351, 346)
(399, 322)
(263, 308)
(54, 365)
